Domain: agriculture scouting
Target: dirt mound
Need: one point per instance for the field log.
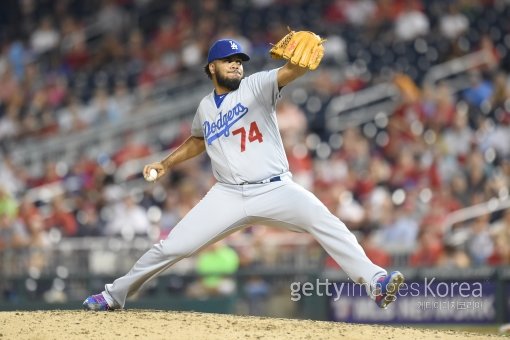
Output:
(143, 324)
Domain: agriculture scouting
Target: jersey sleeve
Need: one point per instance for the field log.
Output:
(265, 86)
(196, 126)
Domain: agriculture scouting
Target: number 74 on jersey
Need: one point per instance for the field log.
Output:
(253, 135)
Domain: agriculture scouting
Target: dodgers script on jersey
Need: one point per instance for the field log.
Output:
(240, 131)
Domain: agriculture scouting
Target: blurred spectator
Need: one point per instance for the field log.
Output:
(101, 110)
(459, 188)
(51, 174)
(300, 163)
(34, 234)
(9, 123)
(377, 204)
(453, 23)
(375, 253)
(132, 148)
(412, 22)
(406, 171)
(170, 213)
(441, 204)
(443, 109)
(167, 37)
(111, 18)
(193, 51)
(128, 220)
(195, 46)
(454, 257)
(136, 49)
(182, 12)
(73, 33)
(399, 229)
(359, 12)
(45, 37)
(157, 68)
(477, 174)
(386, 13)
(479, 91)
(18, 55)
(380, 170)
(429, 250)
(492, 55)
(480, 245)
(257, 291)
(13, 178)
(215, 264)
(81, 177)
(48, 124)
(61, 218)
(349, 210)
(12, 229)
(72, 117)
(399, 136)
(335, 49)
(121, 103)
(8, 204)
(349, 11)
(28, 212)
(501, 91)
(458, 138)
(56, 91)
(291, 121)
(493, 137)
(500, 231)
(12, 233)
(89, 221)
(9, 86)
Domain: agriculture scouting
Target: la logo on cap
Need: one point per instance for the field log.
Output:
(224, 48)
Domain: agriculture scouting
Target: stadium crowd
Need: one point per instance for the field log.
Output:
(68, 66)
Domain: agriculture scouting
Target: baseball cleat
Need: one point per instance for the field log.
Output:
(96, 302)
(386, 288)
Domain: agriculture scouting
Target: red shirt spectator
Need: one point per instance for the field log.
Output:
(430, 250)
(406, 172)
(61, 218)
(131, 150)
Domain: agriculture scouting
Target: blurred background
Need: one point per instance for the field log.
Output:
(403, 132)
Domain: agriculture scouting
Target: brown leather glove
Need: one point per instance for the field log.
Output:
(301, 48)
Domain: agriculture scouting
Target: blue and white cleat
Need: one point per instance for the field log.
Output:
(386, 288)
(97, 302)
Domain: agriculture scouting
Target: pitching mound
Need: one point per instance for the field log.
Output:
(142, 324)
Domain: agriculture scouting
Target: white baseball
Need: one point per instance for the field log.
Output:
(153, 174)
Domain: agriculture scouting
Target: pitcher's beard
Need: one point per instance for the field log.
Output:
(231, 84)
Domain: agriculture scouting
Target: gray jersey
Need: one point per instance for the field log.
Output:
(241, 132)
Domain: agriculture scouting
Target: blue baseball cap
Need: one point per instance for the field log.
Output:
(225, 48)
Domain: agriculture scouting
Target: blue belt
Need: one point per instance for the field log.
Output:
(272, 179)
(275, 179)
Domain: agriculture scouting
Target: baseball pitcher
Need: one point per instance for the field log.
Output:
(236, 125)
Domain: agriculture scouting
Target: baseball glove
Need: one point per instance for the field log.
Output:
(301, 48)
